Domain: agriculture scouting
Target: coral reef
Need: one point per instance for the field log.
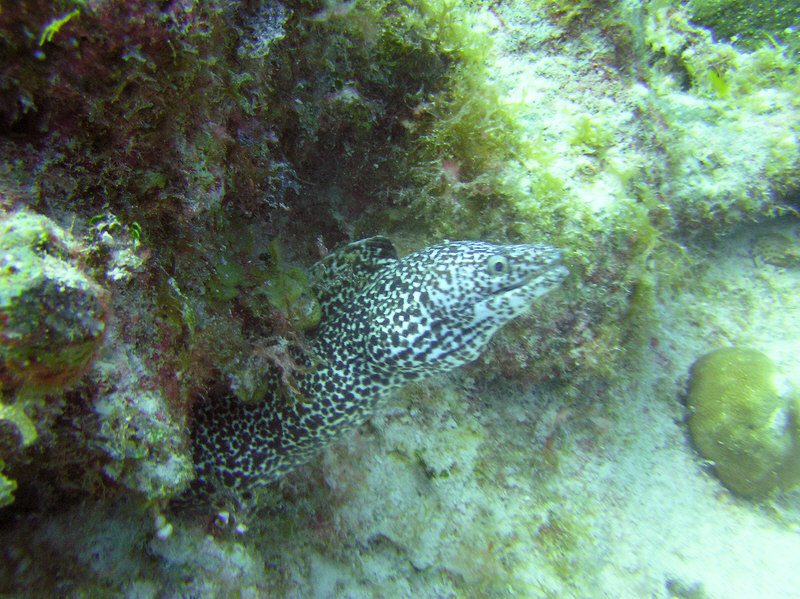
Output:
(53, 315)
(73, 389)
(53, 319)
(739, 420)
(185, 161)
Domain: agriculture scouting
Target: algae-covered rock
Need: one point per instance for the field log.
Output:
(775, 249)
(288, 290)
(7, 488)
(740, 421)
(747, 21)
(52, 315)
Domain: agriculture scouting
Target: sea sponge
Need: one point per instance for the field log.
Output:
(740, 421)
(52, 315)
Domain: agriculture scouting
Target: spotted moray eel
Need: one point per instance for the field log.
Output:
(386, 322)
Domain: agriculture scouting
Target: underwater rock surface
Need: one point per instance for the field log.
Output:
(52, 314)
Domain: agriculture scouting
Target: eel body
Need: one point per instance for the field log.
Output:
(386, 321)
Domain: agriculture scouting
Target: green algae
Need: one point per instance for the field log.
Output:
(15, 413)
(7, 488)
(229, 275)
(268, 282)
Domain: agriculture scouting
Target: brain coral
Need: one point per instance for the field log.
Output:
(739, 420)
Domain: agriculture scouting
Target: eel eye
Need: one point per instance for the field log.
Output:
(498, 265)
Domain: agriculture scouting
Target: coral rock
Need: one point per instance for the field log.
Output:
(52, 315)
(739, 420)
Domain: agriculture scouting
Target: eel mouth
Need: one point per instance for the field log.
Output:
(546, 277)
